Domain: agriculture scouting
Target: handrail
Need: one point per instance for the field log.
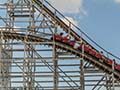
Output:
(74, 27)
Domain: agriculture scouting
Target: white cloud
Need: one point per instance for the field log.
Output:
(67, 19)
(84, 12)
(67, 6)
(117, 1)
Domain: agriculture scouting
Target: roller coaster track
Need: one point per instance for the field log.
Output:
(67, 28)
(30, 38)
(57, 19)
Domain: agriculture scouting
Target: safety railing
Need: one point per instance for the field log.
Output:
(74, 28)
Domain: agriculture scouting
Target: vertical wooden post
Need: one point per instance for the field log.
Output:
(82, 81)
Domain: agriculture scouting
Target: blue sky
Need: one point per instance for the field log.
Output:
(100, 19)
(103, 23)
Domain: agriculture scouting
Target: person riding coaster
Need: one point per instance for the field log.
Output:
(87, 49)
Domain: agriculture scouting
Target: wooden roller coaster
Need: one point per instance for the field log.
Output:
(31, 60)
